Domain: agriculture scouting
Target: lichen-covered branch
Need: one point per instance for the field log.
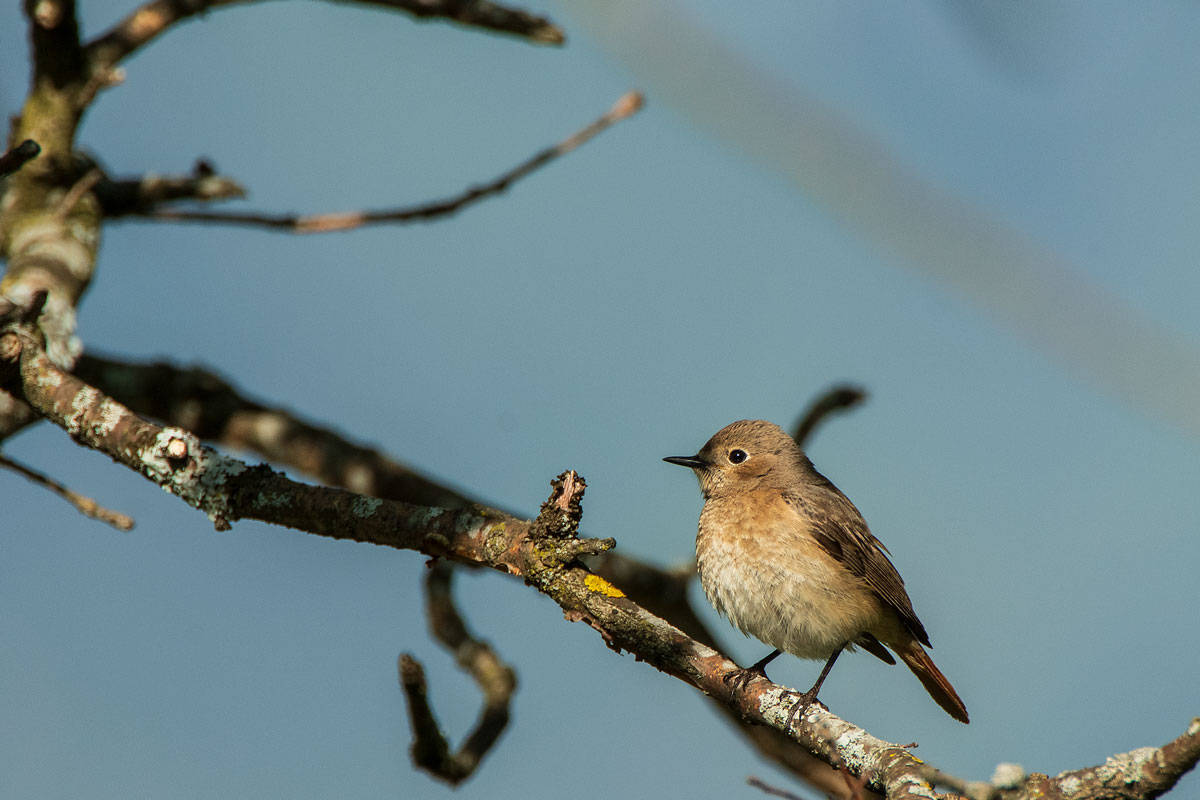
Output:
(1146, 772)
(625, 107)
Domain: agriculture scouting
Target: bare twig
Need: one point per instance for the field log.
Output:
(16, 158)
(429, 748)
(86, 505)
(347, 220)
(127, 196)
(834, 400)
(494, 678)
(76, 193)
(481, 14)
(151, 19)
(774, 791)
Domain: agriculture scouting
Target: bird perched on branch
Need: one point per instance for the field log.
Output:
(788, 559)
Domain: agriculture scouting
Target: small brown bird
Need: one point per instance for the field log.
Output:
(787, 558)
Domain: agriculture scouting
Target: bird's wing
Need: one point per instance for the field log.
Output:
(841, 531)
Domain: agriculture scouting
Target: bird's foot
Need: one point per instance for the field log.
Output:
(739, 679)
(801, 705)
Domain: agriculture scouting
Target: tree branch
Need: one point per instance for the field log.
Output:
(495, 679)
(49, 234)
(85, 505)
(15, 158)
(143, 195)
(150, 20)
(835, 400)
(625, 107)
(208, 406)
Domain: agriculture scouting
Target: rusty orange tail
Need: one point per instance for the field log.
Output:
(933, 680)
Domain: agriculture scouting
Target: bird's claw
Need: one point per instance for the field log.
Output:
(802, 704)
(739, 679)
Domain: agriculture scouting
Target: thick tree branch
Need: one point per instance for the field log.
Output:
(150, 20)
(625, 107)
(49, 234)
(543, 553)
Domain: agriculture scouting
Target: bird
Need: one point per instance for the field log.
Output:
(787, 558)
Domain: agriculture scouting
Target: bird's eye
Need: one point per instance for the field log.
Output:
(737, 456)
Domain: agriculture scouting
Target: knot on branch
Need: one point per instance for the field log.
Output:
(560, 514)
(557, 524)
(18, 323)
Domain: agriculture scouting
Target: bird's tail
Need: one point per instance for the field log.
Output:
(932, 679)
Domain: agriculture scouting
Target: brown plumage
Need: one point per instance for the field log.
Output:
(788, 559)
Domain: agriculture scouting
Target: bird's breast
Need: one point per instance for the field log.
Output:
(763, 570)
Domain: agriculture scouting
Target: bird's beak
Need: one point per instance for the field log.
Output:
(694, 462)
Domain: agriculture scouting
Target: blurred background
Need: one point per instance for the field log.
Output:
(984, 214)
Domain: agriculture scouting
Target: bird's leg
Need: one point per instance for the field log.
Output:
(808, 698)
(739, 679)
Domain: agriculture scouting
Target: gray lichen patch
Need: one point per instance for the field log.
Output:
(179, 463)
(365, 507)
(81, 404)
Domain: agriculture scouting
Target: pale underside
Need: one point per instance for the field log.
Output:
(777, 584)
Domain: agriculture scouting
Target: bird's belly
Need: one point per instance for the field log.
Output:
(804, 606)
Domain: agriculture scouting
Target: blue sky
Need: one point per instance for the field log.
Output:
(1028, 452)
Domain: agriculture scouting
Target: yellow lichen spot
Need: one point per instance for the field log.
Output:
(598, 584)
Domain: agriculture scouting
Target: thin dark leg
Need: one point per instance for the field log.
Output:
(810, 697)
(760, 666)
(743, 677)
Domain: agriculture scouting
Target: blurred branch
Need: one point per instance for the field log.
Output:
(151, 19)
(481, 14)
(129, 196)
(205, 404)
(85, 505)
(15, 158)
(50, 223)
(773, 791)
(625, 107)
(543, 553)
(495, 679)
(952, 238)
(835, 400)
